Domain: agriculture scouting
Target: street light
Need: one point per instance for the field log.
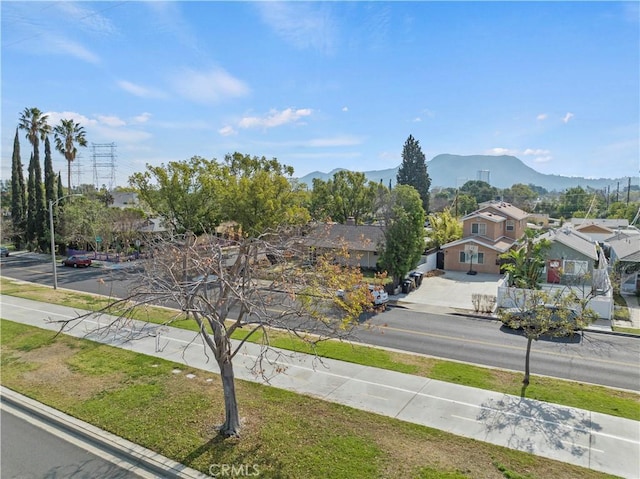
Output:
(53, 243)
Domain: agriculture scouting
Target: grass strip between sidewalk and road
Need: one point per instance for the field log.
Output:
(173, 409)
(595, 398)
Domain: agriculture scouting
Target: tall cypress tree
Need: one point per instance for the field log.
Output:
(35, 124)
(413, 170)
(18, 195)
(49, 189)
(49, 175)
(30, 230)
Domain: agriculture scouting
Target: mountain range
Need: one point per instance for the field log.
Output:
(504, 171)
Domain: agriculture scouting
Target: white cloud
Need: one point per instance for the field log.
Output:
(110, 120)
(501, 151)
(302, 24)
(142, 118)
(209, 86)
(274, 118)
(90, 20)
(58, 45)
(531, 151)
(417, 119)
(568, 117)
(54, 118)
(227, 131)
(542, 116)
(344, 108)
(140, 91)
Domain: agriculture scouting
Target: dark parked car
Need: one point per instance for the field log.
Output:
(77, 261)
(4, 251)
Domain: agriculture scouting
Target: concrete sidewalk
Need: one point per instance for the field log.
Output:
(592, 440)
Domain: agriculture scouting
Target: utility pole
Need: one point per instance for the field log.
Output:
(628, 189)
(618, 192)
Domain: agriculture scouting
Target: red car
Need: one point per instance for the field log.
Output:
(77, 261)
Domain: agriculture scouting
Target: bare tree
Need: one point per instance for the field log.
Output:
(541, 313)
(255, 284)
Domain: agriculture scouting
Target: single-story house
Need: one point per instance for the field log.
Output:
(361, 241)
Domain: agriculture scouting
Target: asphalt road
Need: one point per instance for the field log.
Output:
(29, 451)
(590, 357)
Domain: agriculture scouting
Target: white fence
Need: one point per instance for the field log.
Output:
(508, 297)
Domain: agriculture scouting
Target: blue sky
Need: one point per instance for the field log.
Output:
(330, 85)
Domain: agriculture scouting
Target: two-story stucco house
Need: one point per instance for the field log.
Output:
(488, 232)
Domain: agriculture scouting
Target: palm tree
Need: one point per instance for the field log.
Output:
(35, 124)
(66, 135)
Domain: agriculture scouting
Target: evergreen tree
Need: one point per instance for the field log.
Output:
(18, 194)
(60, 192)
(49, 175)
(413, 170)
(35, 124)
(404, 232)
(30, 232)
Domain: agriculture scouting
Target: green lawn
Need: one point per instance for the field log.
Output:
(594, 398)
(285, 435)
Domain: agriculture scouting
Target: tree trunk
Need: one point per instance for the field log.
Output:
(525, 381)
(69, 176)
(231, 426)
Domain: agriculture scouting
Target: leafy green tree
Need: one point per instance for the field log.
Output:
(622, 210)
(521, 196)
(444, 228)
(347, 195)
(67, 135)
(526, 263)
(83, 220)
(574, 200)
(480, 190)
(259, 194)
(465, 204)
(413, 170)
(18, 195)
(539, 313)
(404, 232)
(186, 194)
(35, 124)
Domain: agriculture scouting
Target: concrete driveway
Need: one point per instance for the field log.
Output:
(451, 292)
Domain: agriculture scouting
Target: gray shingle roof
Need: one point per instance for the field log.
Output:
(355, 237)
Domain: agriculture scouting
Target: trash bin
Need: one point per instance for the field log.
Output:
(417, 277)
(406, 286)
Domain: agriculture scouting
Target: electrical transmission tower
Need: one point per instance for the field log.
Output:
(103, 157)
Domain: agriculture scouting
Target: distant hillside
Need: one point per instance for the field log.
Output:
(502, 172)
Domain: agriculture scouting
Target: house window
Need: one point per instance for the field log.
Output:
(479, 229)
(511, 225)
(575, 268)
(478, 258)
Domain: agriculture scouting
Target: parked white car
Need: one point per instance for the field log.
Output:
(380, 296)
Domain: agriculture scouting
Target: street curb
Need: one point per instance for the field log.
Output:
(144, 458)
